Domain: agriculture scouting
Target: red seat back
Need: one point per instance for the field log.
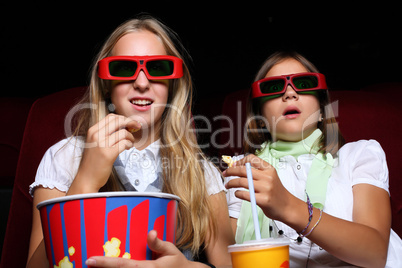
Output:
(44, 127)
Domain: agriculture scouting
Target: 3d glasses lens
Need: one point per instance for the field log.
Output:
(122, 68)
(158, 68)
(273, 86)
(305, 82)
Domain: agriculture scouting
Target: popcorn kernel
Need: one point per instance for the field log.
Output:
(228, 160)
(111, 247)
(126, 255)
(64, 263)
(71, 251)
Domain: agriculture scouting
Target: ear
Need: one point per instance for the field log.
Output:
(321, 118)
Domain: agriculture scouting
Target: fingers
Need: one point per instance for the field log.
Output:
(100, 261)
(244, 195)
(114, 130)
(160, 247)
(239, 171)
(254, 161)
(112, 262)
(237, 183)
(113, 123)
(240, 183)
(121, 138)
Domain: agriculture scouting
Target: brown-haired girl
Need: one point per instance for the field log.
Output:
(329, 198)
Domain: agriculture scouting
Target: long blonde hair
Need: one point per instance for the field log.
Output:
(331, 139)
(183, 172)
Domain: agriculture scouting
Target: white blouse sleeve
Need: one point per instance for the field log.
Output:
(59, 165)
(234, 203)
(213, 179)
(369, 164)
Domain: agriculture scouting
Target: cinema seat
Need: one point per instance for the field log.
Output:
(44, 127)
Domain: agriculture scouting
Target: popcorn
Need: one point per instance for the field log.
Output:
(112, 247)
(228, 160)
(71, 251)
(126, 255)
(132, 130)
(64, 263)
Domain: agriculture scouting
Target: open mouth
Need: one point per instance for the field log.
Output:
(291, 111)
(141, 102)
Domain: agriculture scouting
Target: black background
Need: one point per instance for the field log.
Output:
(50, 47)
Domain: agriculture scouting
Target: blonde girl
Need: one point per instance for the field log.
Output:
(330, 199)
(132, 117)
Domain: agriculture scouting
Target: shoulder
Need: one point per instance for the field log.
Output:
(59, 164)
(361, 145)
(210, 170)
(362, 148)
(365, 162)
(234, 203)
(213, 178)
(67, 146)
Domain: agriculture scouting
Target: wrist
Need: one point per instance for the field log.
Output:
(80, 185)
(298, 216)
(309, 229)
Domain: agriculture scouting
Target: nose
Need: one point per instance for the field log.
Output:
(142, 82)
(290, 94)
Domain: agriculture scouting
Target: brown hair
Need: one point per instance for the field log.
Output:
(331, 139)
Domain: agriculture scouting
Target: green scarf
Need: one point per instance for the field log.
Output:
(316, 185)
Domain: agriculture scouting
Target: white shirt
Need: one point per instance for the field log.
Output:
(138, 170)
(357, 162)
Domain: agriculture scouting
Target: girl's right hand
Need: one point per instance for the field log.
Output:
(105, 141)
(271, 196)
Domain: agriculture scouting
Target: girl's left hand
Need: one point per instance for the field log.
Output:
(271, 196)
(168, 256)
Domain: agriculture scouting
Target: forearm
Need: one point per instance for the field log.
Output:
(351, 242)
(38, 258)
(81, 185)
(37, 253)
(217, 248)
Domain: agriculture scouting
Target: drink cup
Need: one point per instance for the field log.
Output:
(264, 253)
(114, 224)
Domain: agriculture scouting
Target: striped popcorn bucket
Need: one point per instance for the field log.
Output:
(114, 224)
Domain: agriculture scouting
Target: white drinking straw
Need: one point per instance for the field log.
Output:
(253, 202)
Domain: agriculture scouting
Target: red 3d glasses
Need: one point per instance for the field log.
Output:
(128, 67)
(300, 82)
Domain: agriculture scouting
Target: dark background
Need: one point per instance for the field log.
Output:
(50, 47)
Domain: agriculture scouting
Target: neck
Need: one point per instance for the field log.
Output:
(292, 137)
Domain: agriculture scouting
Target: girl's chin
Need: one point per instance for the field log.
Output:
(292, 135)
